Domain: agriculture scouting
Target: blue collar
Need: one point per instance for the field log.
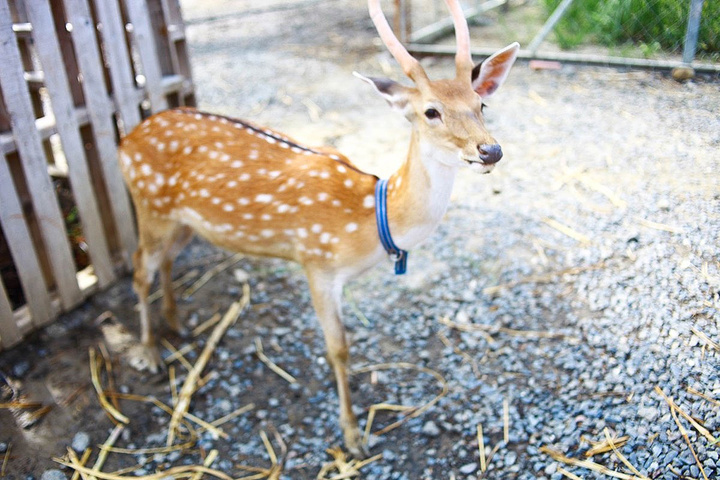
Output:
(381, 215)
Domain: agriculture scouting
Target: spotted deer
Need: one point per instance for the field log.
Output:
(253, 190)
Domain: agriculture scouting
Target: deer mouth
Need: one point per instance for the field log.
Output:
(477, 165)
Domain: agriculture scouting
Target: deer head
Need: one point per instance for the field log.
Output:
(447, 115)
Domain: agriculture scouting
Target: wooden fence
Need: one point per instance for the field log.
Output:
(75, 75)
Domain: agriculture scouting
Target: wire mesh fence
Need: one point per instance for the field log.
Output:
(646, 33)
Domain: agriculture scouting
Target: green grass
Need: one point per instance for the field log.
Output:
(653, 25)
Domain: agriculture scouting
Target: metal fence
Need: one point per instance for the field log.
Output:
(75, 75)
(640, 33)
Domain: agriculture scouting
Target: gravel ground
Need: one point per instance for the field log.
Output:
(571, 328)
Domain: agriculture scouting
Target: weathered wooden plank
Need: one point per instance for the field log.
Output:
(56, 82)
(101, 112)
(9, 332)
(29, 143)
(121, 76)
(145, 42)
(19, 241)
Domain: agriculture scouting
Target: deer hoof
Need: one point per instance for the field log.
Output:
(355, 445)
(145, 358)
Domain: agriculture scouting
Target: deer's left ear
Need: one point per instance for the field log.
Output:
(491, 73)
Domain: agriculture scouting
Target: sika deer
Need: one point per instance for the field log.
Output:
(249, 189)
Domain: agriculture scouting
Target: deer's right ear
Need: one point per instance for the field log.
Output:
(395, 94)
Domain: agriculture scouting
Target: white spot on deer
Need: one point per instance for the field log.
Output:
(253, 238)
(201, 176)
(158, 202)
(239, 234)
(270, 140)
(324, 174)
(159, 179)
(198, 116)
(305, 201)
(202, 148)
(296, 149)
(288, 232)
(267, 233)
(291, 181)
(236, 164)
(325, 237)
(294, 210)
(398, 181)
(204, 193)
(224, 157)
(253, 155)
(160, 146)
(215, 128)
(262, 171)
(173, 180)
(283, 208)
(334, 157)
(282, 188)
(185, 185)
(140, 184)
(187, 150)
(369, 201)
(244, 177)
(145, 169)
(300, 185)
(216, 201)
(174, 145)
(274, 174)
(131, 173)
(335, 240)
(316, 228)
(248, 216)
(313, 173)
(329, 255)
(351, 227)
(126, 160)
(322, 196)
(180, 196)
(341, 169)
(284, 145)
(243, 201)
(213, 154)
(348, 183)
(152, 188)
(152, 140)
(228, 207)
(336, 203)
(265, 217)
(264, 198)
(232, 184)
(302, 233)
(137, 156)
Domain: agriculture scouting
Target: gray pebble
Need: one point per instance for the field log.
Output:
(80, 442)
(53, 474)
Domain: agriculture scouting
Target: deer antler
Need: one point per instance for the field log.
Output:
(410, 65)
(463, 59)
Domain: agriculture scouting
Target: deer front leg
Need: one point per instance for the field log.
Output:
(326, 293)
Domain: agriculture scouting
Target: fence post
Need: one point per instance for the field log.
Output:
(693, 29)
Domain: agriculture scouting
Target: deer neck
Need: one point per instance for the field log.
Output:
(419, 192)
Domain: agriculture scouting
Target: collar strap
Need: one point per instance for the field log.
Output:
(381, 215)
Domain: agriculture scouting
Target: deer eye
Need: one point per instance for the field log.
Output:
(432, 114)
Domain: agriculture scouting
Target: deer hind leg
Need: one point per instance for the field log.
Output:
(154, 241)
(179, 239)
(326, 293)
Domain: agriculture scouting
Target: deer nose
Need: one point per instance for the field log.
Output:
(490, 154)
